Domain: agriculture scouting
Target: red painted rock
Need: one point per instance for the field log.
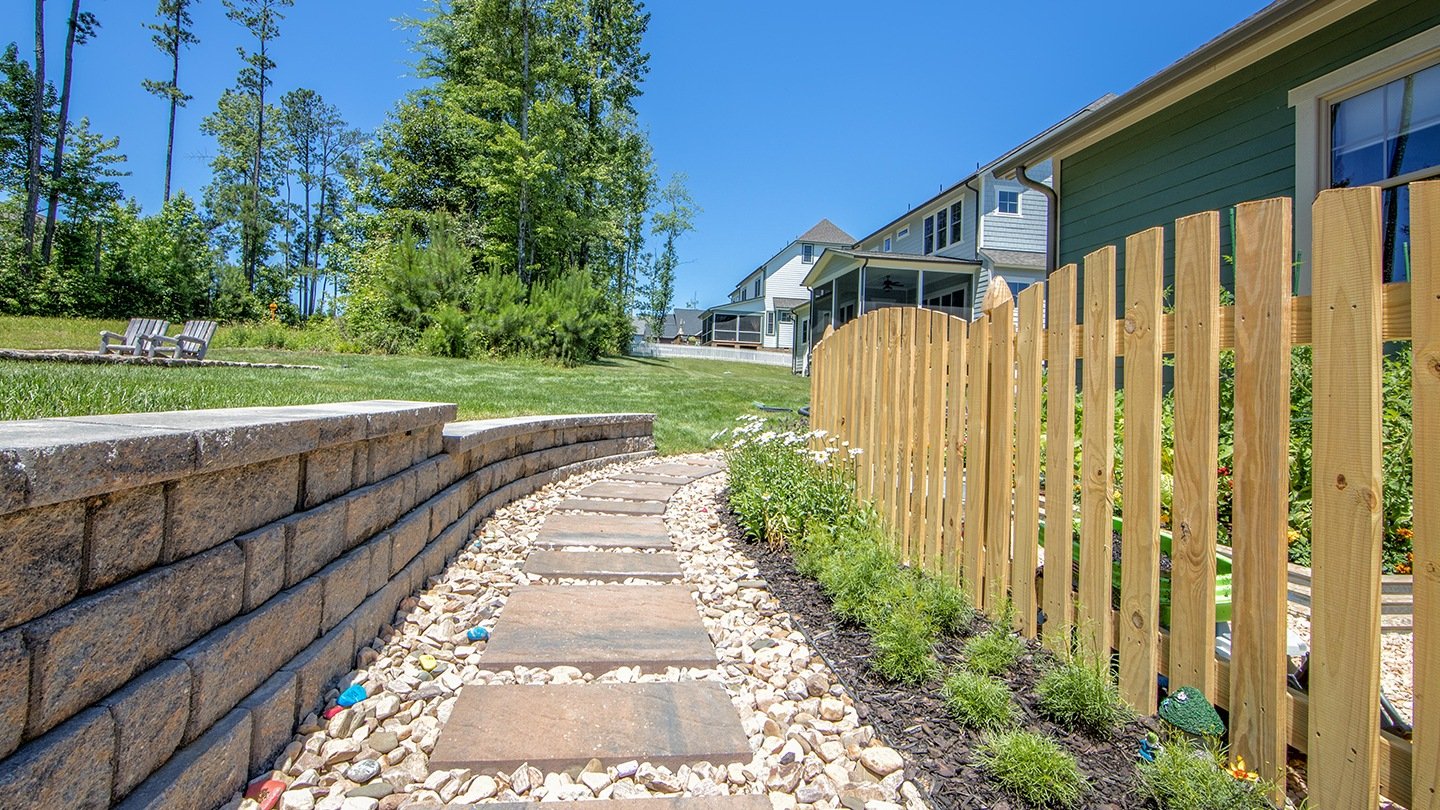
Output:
(266, 792)
(332, 711)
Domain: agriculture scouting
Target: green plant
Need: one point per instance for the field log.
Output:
(904, 647)
(997, 649)
(1080, 692)
(1185, 777)
(979, 701)
(1034, 768)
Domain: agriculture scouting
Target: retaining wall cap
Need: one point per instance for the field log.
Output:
(45, 461)
(462, 436)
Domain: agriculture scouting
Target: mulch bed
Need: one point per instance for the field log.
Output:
(914, 720)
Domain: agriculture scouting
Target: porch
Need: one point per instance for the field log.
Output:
(737, 326)
(846, 284)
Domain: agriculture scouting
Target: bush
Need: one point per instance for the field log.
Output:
(1184, 777)
(1081, 693)
(905, 647)
(993, 652)
(1035, 769)
(979, 701)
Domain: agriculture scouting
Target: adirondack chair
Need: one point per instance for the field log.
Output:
(192, 342)
(137, 332)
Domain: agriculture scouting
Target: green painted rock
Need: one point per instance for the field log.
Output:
(1188, 710)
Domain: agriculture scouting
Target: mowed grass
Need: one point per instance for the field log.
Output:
(692, 399)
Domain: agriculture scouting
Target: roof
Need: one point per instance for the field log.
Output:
(1258, 35)
(681, 321)
(882, 260)
(789, 303)
(754, 306)
(826, 231)
(1024, 259)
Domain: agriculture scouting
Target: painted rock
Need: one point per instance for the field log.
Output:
(332, 711)
(265, 792)
(477, 634)
(363, 771)
(428, 662)
(1188, 710)
(353, 695)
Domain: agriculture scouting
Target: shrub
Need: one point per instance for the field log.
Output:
(904, 647)
(1035, 769)
(1184, 777)
(1081, 693)
(993, 652)
(979, 701)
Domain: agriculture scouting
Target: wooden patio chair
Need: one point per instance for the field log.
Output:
(192, 342)
(137, 333)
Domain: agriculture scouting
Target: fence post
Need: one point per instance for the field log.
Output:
(1060, 457)
(1097, 456)
(1000, 305)
(1197, 406)
(1345, 545)
(1425, 379)
(1140, 540)
(977, 445)
(1030, 338)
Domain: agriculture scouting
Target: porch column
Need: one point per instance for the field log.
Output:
(860, 300)
(920, 290)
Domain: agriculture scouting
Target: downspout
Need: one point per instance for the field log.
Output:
(1052, 220)
(860, 299)
(974, 282)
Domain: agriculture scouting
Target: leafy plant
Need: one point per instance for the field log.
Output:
(1185, 777)
(993, 652)
(1034, 768)
(904, 647)
(1080, 692)
(979, 701)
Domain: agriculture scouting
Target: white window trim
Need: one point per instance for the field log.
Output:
(902, 233)
(942, 210)
(1019, 203)
(886, 244)
(1312, 102)
(954, 219)
(810, 260)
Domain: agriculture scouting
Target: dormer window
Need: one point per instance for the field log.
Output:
(807, 253)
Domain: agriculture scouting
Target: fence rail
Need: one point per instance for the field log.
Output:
(949, 415)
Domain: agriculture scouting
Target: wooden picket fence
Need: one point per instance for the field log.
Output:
(948, 415)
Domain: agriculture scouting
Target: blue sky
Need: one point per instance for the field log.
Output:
(780, 111)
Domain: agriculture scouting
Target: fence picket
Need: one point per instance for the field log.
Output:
(874, 407)
(1028, 341)
(1060, 456)
(955, 398)
(1097, 454)
(1346, 528)
(919, 362)
(1000, 457)
(977, 427)
(1140, 540)
(1197, 405)
(1425, 447)
(934, 430)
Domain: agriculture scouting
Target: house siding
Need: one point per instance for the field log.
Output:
(1231, 142)
(1024, 232)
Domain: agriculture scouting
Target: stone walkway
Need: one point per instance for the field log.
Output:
(634, 660)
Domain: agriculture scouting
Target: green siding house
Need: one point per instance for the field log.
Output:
(1300, 97)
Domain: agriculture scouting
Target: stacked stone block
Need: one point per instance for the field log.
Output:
(181, 588)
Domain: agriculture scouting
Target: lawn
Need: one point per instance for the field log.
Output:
(691, 398)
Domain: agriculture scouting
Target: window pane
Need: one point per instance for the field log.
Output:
(929, 235)
(955, 219)
(1395, 213)
(941, 231)
(1386, 132)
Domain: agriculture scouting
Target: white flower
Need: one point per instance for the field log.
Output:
(819, 433)
(855, 451)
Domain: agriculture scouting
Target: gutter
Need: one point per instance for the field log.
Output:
(1052, 219)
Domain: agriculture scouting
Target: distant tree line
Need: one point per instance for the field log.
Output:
(503, 207)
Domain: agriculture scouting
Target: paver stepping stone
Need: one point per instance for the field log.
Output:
(604, 531)
(653, 478)
(743, 801)
(558, 726)
(612, 507)
(598, 628)
(629, 492)
(606, 565)
(692, 471)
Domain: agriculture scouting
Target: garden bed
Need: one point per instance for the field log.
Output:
(940, 753)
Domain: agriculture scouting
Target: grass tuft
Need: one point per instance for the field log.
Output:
(978, 701)
(1081, 693)
(904, 647)
(993, 652)
(1034, 768)
(1184, 777)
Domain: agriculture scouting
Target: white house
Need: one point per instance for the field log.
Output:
(759, 313)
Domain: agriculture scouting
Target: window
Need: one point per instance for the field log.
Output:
(887, 244)
(770, 322)
(941, 229)
(1008, 202)
(807, 254)
(904, 232)
(757, 287)
(1016, 287)
(956, 209)
(786, 316)
(955, 299)
(1374, 121)
(929, 235)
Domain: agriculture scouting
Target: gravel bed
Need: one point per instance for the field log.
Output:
(811, 749)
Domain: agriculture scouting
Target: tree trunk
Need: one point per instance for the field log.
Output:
(53, 203)
(175, 44)
(523, 266)
(37, 114)
(253, 261)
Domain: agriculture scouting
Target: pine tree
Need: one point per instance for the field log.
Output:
(172, 34)
(34, 145)
(675, 219)
(81, 28)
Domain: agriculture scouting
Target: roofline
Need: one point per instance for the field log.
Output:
(1274, 26)
(795, 241)
(868, 256)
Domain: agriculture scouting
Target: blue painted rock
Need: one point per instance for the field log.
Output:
(353, 695)
(477, 634)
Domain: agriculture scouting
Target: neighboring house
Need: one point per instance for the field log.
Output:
(679, 326)
(942, 254)
(1299, 97)
(758, 314)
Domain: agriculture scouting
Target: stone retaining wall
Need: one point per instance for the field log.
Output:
(178, 589)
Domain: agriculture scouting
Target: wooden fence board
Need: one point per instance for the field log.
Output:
(1060, 457)
(1097, 452)
(919, 418)
(1030, 335)
(1346, 533)
(893, 421)
(1197, 435)
(977, 423)
(1140, 540)
(1425, 449)
(999, 482)
(1263, 257)
(933, 445)
(955, 399)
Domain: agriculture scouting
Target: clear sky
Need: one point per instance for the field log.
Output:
(780, 111)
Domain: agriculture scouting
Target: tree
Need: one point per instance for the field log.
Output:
(262, 19)
(321, 150)
(171, 35)
(37, 112)
(241, 205)
(676, 218)
(17, 101)
(81, 28)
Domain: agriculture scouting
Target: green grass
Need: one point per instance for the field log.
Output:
(1082, 693)
(979, 701)
(993, 652)
(691, 398)
(1034, 768)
